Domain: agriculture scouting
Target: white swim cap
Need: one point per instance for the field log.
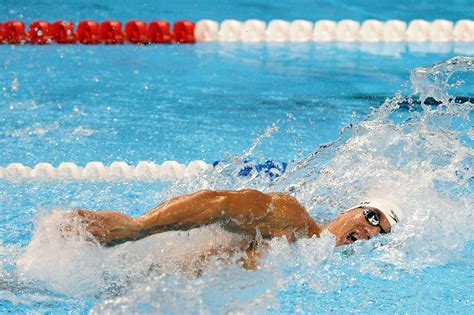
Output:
(391, 211)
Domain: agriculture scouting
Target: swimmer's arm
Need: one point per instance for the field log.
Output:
(248, 211)
(185, 212)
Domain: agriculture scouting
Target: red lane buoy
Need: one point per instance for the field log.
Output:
(91, 32)
(184, 32)
(88, 32)
(39, 32)
(62, 32)
(136, 32)
(111, 32)
(159, 32)
(2, 36)
(14, 32)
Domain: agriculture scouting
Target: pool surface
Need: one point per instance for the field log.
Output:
(344, 116)
(267, 10)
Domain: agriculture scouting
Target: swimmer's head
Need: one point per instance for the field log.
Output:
(365, 220)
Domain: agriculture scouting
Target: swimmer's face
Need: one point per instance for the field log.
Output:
(358, 224)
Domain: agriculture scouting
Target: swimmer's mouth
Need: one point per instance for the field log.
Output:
(352, 237)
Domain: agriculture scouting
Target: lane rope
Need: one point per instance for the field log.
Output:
(330, 31)
(250, 31)
(118, 170)
(143, 171)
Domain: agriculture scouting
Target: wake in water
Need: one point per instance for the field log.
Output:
(421, 156)
(418, 154)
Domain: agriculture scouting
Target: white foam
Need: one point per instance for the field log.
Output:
(80, 267)
(420, 162)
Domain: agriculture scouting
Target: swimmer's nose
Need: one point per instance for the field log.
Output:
(367, 233)
(370, 232)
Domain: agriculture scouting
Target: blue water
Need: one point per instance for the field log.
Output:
(211, 102)
(86, 103)
(267, 10)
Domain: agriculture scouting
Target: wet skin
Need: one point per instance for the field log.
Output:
(248, 212)
(352, 226)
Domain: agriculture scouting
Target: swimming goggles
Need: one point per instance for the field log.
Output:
(373, 218)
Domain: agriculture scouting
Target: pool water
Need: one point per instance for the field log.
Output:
(266, 10)
(234, 102)
(81, 104)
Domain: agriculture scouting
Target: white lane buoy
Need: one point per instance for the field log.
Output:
(253, 31)
(95, 170)
(206, 31)
(230, 31)
(43, 171)
(394, 31)
(347, 31)
(301, 31)
(69, 170)
(278, 31)
(324, 31)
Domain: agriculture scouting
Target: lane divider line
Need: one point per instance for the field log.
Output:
(92, 32)
(250, 31)
(143, 171)
(118, 170)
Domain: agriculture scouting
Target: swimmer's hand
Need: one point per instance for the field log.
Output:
(106, 227)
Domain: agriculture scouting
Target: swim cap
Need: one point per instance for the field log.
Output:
(391, 211)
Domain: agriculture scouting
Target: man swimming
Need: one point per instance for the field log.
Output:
(250, 212)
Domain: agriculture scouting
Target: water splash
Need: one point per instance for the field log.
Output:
(75, 266)
(418, 157)
(434, 81)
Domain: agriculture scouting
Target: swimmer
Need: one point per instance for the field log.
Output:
(250, 212)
